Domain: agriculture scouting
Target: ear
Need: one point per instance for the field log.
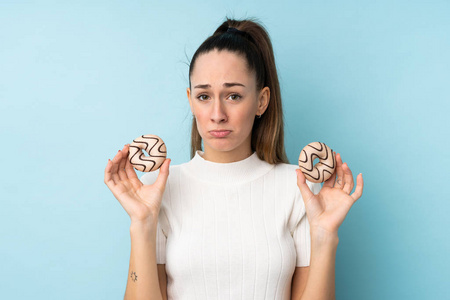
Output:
(188, 92)
(263, 100)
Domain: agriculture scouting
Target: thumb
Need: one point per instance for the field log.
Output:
(163, 174)
(304, 188)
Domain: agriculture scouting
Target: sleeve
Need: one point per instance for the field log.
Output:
(161, 237)
(301, 232)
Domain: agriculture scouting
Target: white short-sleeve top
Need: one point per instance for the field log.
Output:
(232, 230)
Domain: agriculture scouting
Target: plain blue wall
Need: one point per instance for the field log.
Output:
(369, 78)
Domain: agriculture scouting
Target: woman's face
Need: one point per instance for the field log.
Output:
(225, 102)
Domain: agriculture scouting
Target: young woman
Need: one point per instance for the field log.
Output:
(237, 221)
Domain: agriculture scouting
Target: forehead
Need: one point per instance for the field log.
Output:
(221, 66)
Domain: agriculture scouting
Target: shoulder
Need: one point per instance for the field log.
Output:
(288, 170)
(150, 177)
(286, 167)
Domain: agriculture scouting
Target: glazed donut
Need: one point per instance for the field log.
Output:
(154, 146)
(321, 171)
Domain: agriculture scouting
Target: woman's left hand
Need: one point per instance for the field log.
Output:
(327, 210)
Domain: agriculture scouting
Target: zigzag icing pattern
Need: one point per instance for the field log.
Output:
(154, 146)
(321, 171)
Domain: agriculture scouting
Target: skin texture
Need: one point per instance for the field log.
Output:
(228, 108)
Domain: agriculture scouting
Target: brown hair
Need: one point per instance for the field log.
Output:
(253, 42)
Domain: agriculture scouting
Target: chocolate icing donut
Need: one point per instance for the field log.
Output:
(154, 146)
(321, 171)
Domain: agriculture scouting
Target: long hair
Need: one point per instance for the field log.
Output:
(253, 42)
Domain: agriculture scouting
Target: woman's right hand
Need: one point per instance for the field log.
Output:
(141, 202)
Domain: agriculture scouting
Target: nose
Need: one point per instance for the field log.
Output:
(218, 114)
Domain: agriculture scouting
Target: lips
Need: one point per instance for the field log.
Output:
(220, 133)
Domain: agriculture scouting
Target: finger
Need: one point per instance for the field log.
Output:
(122, 173)
(348, 179)
(359, 187)
(115, 166)
(330, 181)
(339, 173)
(131, 174)
(304, 188)
(163, 174)
(108, 178)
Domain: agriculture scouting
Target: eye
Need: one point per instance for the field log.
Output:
(200, 97)
(235, 97)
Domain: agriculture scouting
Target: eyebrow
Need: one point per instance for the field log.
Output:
(226, 84)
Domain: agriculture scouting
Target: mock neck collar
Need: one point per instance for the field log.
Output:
(237, 172)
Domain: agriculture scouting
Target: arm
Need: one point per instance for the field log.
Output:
(323, 254)
(142, 203)
(326, 211)
(299, 282)
(320, 283)
(143, 282)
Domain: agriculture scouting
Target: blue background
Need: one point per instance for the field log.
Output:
(375, 73)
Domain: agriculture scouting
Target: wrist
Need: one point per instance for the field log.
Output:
(320, 236)
(143, 225)
(148, 220)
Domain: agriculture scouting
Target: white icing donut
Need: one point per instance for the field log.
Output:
(154, 146)
(321, 171)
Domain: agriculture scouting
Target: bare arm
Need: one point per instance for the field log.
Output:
(299, 282)
(143, 282)
(320, 283)
(142, 203)
(326, 211)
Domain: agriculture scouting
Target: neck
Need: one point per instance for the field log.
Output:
(238, 172)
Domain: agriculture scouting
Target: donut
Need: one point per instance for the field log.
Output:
(321, 171)
(154, 146)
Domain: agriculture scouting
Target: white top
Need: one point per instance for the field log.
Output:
(231, 230)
